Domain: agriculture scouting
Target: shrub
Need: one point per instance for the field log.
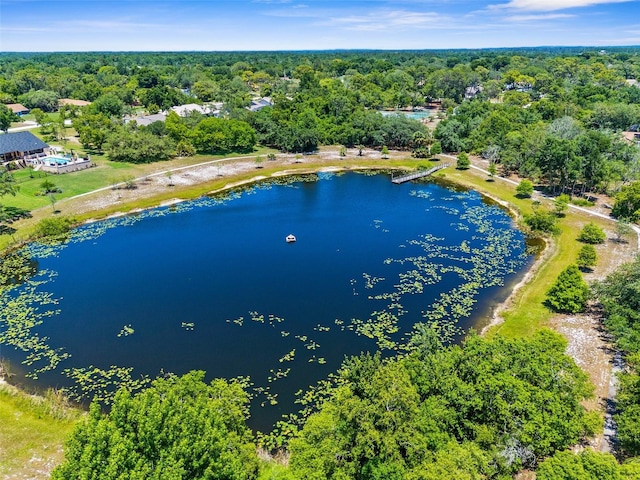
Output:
(582, 202)
(587, 256)
(463, 161)
(54, 227)
(524, 189)
(541, 221)
(420, 152)
(569, 293)
(591, 233)
(628, 202)
(561, 204)
(586, 465)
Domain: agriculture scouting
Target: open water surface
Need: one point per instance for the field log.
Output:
(212, 284)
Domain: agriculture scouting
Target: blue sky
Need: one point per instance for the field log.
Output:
(172, 25)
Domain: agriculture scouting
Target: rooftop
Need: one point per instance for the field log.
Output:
(145, 120)
(20, 142)
(17, 107)
(73, 101)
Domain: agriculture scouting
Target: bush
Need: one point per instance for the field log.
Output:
(463, 161)
(582, 202)
(587, 257)
(561, 204)
(54, 228)
(628, 202)
(541, 221)
(586, 465)
(569, 293)
(420, 152)
(593, 234)
(524, 189)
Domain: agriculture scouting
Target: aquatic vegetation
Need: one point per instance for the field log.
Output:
(126, 331)
(21, 311)
(380, 326)
(274, 319)
(312, 345)
(238, 321)
(101, 385)
(288, 357)
(371, 281)
(16, 268)
(277, 374)
(406, 285)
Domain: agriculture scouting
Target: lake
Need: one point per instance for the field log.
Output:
(211, 284)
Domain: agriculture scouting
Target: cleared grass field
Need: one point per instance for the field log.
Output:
(104, 174)
(33, 430)
(527, 313)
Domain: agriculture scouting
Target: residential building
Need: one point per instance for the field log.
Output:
(21, 146)
(17, 108)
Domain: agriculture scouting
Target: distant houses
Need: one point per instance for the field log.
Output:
(186, 110)
(632, 136)
(472, 92)
(17, 108)
(181, 110)
(260, 103)
(146, 120)
(72, 101)
(20, 147)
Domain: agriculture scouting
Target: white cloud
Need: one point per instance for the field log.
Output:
(391, 20)
(94, 26)
(537, 18)
(552, 5)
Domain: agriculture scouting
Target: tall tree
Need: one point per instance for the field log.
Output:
(6, 117)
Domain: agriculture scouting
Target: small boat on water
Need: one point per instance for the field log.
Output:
(290, 238)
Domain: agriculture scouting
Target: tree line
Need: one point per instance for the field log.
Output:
(484, 409)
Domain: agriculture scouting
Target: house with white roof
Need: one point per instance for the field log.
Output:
(185, 110)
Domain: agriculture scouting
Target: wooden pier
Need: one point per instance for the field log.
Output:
(419, 174)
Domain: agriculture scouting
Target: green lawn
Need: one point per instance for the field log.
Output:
(528, 313)
(105, 173)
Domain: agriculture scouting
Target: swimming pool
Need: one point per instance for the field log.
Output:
(419, 115)
(55, 159)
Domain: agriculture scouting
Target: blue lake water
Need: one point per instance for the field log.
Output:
(212, 284)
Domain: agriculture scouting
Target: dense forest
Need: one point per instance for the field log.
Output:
(555, 116)
(563, 118)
